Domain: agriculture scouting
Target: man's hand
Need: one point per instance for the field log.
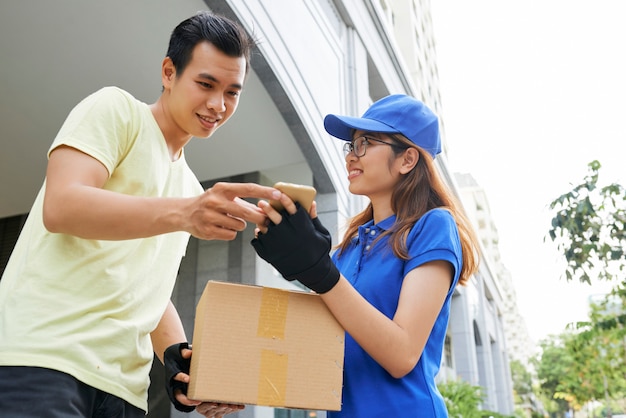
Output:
(220, 212)
(177, 360)
(217, 410)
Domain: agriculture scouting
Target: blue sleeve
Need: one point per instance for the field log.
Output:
(435, 237)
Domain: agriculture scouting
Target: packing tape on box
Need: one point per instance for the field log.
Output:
(272, 378)
(272, 385)
(273, 315)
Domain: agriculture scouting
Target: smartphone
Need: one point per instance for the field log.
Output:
(297, 192)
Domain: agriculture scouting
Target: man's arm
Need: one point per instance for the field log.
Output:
(169, 331)
(168, 336)
(76, 204)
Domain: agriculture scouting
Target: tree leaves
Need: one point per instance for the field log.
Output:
(588, 227)
(588, 362)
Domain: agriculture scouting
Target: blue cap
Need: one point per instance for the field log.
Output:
(395, 114)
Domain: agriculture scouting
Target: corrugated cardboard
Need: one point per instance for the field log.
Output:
(265, 346)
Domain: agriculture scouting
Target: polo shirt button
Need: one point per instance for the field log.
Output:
(373, 232)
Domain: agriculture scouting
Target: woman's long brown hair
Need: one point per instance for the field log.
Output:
(416, 193)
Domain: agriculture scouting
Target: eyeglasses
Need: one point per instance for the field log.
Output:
(359, 145)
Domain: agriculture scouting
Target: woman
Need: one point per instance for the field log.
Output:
(391, 281)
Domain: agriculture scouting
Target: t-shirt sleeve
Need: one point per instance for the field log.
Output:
(435, 237)
(100, 126)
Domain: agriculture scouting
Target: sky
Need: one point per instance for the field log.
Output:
(533, 91)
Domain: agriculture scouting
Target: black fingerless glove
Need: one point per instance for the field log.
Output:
(174, 364)
(298, 247)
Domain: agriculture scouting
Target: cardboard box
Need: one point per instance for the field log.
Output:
(264, 346)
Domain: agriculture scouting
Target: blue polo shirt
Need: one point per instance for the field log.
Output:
(377, 274)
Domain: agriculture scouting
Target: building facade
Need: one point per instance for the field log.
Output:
(314, 57)
(521, 346)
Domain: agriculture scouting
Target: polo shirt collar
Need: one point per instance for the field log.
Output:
(385, 224)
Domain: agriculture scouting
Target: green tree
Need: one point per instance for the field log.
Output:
(554, 374)
(588, 228)
(583, 364)
(462, 399)
(522, 378)
(523, 394)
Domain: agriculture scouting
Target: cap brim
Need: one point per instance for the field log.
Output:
(342, 126)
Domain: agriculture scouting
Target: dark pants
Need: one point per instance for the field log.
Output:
(33, 392)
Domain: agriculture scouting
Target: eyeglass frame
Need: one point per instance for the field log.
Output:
(348, 147)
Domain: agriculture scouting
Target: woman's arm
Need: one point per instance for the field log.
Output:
(396, 344)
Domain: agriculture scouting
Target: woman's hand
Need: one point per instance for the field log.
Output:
(275, 217)
(298, 246)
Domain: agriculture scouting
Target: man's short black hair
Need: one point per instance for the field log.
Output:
(226, 35)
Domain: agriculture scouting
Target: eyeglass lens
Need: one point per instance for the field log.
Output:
(357, 146)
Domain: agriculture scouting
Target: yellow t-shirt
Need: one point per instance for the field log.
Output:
(87, 307)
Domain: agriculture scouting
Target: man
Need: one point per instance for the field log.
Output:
(85, 297)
